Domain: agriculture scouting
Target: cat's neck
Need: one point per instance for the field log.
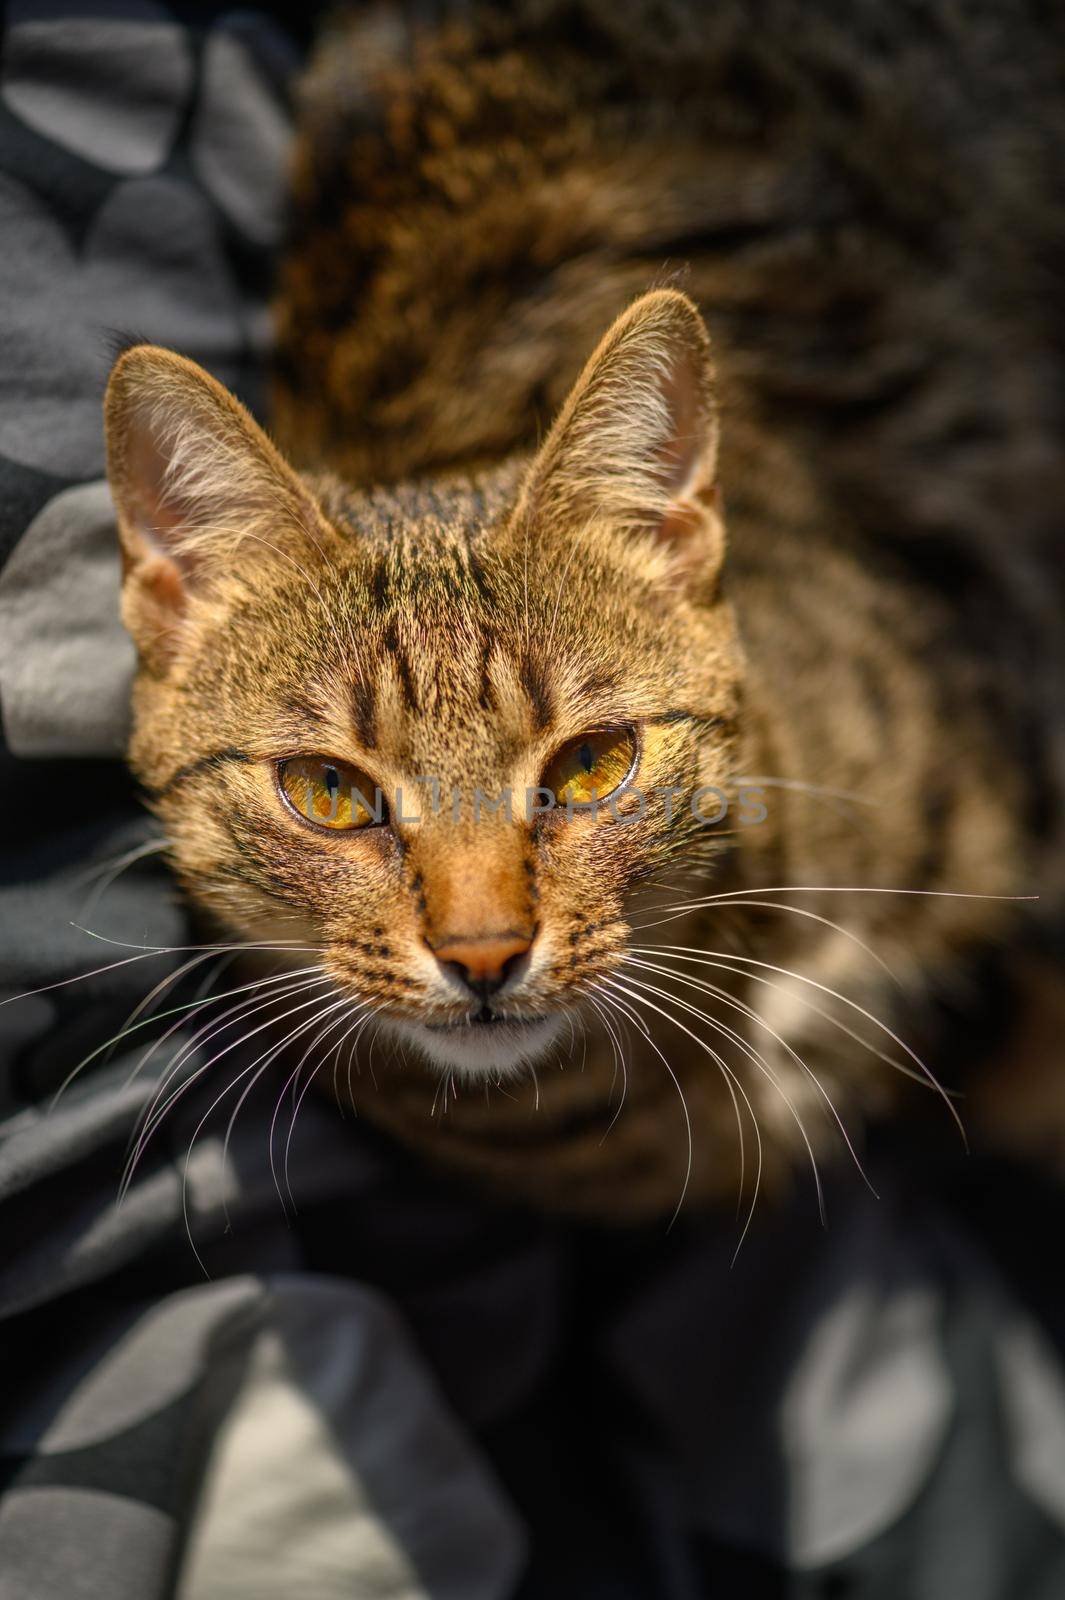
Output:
(833, 656)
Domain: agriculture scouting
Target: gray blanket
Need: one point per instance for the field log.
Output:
(363, 1382)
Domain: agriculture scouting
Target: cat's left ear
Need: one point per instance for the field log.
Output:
(635, 444)
(198, 487)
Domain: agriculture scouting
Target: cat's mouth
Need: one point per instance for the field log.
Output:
(487, 1018)
(485, 1043)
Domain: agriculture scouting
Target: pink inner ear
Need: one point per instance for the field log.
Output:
(678, 525)
(686, 461)
(163, 586)
(160, 518)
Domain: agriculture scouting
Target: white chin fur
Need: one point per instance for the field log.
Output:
(475, 1051)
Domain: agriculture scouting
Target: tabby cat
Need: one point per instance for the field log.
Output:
(795, 690)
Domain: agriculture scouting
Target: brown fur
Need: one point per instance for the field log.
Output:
(468, 224)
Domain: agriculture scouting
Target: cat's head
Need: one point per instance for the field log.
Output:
(431, 650)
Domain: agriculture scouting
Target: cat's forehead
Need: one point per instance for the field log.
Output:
(439, 643)
(444, 657)
(448, 637)
(429, 511)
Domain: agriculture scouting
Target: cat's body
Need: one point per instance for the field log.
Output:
(865, 217)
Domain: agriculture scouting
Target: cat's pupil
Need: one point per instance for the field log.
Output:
(585, 757)
(332, 781)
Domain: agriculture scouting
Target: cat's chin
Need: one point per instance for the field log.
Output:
(480, 1050)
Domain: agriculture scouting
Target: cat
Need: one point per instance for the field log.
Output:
(667, 405)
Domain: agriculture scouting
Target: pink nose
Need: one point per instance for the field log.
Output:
(483, 965)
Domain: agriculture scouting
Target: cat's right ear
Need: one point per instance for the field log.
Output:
(193, 477)
(635, 444)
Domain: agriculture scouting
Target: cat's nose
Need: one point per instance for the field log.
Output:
(485, 965)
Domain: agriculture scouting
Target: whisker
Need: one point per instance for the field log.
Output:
(356, 1008)
(126, 858)
(213, 1027)
(119, 865)
(619, 1060)
(729, 1079)
(171, 979)
(97, 972)
(202, 993)
(335, 1053)
(351, 1054)
(802, 788)
(683, 953)
(734, 1086)
(835, 1022)
(617, 1038)
(145, 952)
(753, 1055)
(265, 1058)
(126, 1030)
(754, 1016)
(183, 1088)
(813, 916)
(336, 1005)
(806, 888)
(613, 984)
(182, 949)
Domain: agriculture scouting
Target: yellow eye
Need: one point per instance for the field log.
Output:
(330, 793)
(591, 767)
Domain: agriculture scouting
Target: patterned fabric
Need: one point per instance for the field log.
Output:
(361, 1381)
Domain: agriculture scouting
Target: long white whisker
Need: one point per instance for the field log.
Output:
(183, 949)
(755, 1056)
(217, 1024)
(683, 953)
(734, 1087)
(353, 1009)
(330, 1010)
(183, 1088)
(172, 978)
(819, 1011)
(619, 1060)
(813, 916)
(623, 989)
(144, 953)
(117, 868)
(265, 1058)
(802, 788)
(806, 888)
(695, 983)
(202, 997)
(128, 1029)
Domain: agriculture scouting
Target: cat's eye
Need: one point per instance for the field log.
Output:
(591, 767)
(331, 794)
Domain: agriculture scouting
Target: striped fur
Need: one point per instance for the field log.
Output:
(882, 643)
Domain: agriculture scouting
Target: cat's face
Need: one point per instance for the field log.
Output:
(453, 655)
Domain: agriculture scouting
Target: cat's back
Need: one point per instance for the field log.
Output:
(865, 203)
(865, 206)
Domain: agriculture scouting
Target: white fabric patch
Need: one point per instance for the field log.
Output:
(1033, 1403)
(60, 77)
(240, 139)
(66, 662)
(158, 1361)
(862, 1418)
(338, 1472)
